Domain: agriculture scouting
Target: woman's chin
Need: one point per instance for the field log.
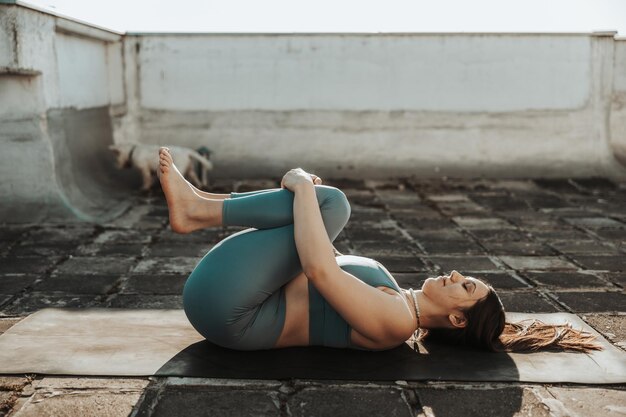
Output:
(428, 283)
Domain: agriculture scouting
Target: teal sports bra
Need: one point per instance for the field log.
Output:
(326, 326)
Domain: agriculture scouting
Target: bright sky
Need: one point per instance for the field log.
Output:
(346, 15)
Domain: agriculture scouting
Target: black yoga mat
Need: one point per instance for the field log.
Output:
(122, 342)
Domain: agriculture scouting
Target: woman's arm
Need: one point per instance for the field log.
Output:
(376, 315)
(314, 247)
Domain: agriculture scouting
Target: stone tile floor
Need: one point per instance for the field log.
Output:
(545, 245)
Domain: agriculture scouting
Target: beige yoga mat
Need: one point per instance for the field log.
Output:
(123, 342)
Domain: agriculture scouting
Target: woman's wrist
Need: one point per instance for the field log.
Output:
(303, 185)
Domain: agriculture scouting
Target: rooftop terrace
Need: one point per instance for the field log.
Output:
(499, 155)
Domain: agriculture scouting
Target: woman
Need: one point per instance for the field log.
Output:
(278, 283)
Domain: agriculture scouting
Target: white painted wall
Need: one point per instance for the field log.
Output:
(452, 73)
(342, 105)
(509, 105)
(617, 109)
(50, 65)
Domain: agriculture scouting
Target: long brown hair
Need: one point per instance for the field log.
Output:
(487, 328)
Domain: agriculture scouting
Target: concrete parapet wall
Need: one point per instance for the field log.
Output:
(342, 105)
(497, 105)
(58, 82)
(617, 106)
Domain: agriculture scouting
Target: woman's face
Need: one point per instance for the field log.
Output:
(454, 292)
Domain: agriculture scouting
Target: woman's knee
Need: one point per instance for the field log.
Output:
(334, 205)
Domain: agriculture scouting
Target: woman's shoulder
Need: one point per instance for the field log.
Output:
(368, 269)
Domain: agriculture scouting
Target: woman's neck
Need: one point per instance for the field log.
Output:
(430, 316)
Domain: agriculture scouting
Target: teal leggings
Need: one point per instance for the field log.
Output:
(235, 296)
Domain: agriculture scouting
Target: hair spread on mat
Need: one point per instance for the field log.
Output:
(487, 328)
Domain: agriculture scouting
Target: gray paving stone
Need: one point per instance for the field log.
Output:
(586, 401)
(343, 246)
(595, 222)
(502, 235)
(207, 236)
(398, 203)
(13, 284)
(437, 235)
(595, 183)
(484, 223)
(482, 402)
(364, 216)
(451, 247)
(498, 280)
(13, 232)
(618, 278)
(525, 302)
(362, 235)
(95, 265)
(27, 265)
(365, 200)
(383, 248)
(582, 247)
(69, 402)
(559, 233)
(413, 280)
(448, 198)
(322, 401)
(551, 263)
(518, 248)
(124, 249)
(583, 302)
(171, 265)
(418, 211)
(34, 301)
(463, 263)
(48, 235)
(77, 284)
(461, 208)
(146, 301)
(545, 201)
(154, 284)
(529, 220)
(401, 263)
(500, 203)
(59, 249)
(598, 262)
(133, 219)
(611, 234)
(566, 279)
(4, 299)
(113, 237)
(6, 324)
(164, 249)
(559, 185)
(91, 382)
(214, 401)
(426, 224)
(612, 326)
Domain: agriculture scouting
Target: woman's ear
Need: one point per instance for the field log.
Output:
(458, 321)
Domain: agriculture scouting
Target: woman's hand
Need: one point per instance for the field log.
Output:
(297, 176)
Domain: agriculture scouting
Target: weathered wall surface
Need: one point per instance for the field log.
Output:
(510, 105)
(617, 109)
(341, 105)
(58, 81)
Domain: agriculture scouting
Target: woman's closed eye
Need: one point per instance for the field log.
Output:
(468, 285)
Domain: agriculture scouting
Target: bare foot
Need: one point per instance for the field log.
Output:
(188, 211)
